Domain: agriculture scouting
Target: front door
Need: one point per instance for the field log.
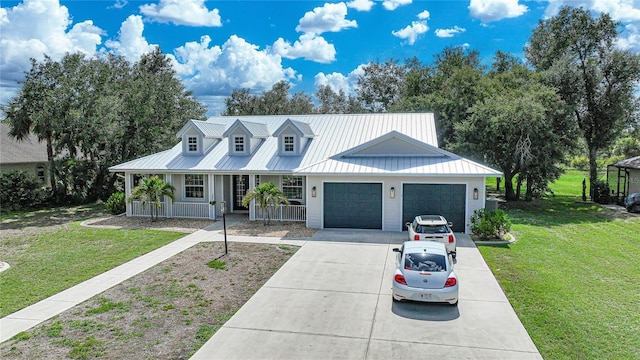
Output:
(240, 187)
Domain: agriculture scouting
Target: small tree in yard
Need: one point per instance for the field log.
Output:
(267, 196)
(149, 192)
(490, 224)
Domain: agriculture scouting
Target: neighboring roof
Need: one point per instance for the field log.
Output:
(29, 150)
(206, 129)
(342, 144)
(631, 163)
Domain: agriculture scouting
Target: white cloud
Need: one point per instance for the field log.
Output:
(119, 4)
(621, 10)
(447, 33)
(216, 71)
(132, 44)
(337, 81)
(330, 17)
(37, 27)
(413, 31)
(394, 4)
(493, 10)
(361, 5)
(310, 47)
(182, 12)
(630, 38)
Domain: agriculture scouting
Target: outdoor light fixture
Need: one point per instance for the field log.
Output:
(475, 193)
(392, 192)
(313, 191)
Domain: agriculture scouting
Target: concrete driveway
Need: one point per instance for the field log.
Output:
(332, 300)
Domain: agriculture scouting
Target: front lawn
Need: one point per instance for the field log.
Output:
(572, 276)
(45, 261)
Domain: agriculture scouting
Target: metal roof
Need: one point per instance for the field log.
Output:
(205, 128)
(334, 134)
(631, 163)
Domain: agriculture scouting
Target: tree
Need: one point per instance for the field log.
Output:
(267, 195)
(271, 102)
(521, 127)
(332, 102)
(150, 191)
(381, 85)
(449, 87)
(577, 55)
(95, 113)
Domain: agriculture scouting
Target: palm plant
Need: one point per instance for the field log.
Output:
(267, 196)
(149, 192)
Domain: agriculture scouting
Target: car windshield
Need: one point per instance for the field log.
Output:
(424, 262)
(432, 229)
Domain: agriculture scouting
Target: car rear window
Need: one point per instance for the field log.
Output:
(427, 229)
(425, 262)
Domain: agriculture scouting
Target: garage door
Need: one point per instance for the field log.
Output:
(353, 205)
(447, 200)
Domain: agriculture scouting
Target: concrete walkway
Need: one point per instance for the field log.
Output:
(332, 299)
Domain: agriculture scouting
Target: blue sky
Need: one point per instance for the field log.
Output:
(217, 46)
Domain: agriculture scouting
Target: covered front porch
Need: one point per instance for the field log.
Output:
(203, 196)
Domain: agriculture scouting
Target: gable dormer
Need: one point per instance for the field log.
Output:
(199, 136)
(245, 137)
(293, 137)
(395, 144)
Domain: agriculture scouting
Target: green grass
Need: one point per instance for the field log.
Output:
(570, 183)
(47, 262)
(572, 276)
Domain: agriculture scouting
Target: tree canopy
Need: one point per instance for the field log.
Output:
(577, 54)
(94, 113)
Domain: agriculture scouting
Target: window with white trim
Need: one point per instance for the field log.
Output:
(194, 186)
(292, 186)
(289, 144)
(238, 144)
(192, 144)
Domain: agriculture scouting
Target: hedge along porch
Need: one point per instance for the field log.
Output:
(356, 170)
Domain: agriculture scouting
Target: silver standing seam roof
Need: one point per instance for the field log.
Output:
(338, 144)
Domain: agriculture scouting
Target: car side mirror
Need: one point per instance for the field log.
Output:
(396, 250)
(407, 224)
(450, 224)
(452, 253)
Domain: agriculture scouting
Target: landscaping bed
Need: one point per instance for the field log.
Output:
(166, 312)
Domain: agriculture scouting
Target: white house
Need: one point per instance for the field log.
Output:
(374, 171)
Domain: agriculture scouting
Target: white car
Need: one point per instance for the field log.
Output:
(424, 272)
(432, 228)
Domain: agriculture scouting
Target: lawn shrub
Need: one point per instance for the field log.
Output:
(116, 204)
(21, 190)
(490, 224)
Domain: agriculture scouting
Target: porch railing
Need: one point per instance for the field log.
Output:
(179, 210)
(283, 213)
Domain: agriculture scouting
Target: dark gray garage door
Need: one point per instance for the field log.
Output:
(447, 200)
(353, 205)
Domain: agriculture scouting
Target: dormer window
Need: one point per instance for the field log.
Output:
(239, 144)
(289, 144)
(192, 144)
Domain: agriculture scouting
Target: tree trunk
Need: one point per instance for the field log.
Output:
(529, 195)
(52, 168)
(519, 188)
(508, 187)
(593, 170)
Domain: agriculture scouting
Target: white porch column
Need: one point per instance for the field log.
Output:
(128, 179)
(211, 185)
